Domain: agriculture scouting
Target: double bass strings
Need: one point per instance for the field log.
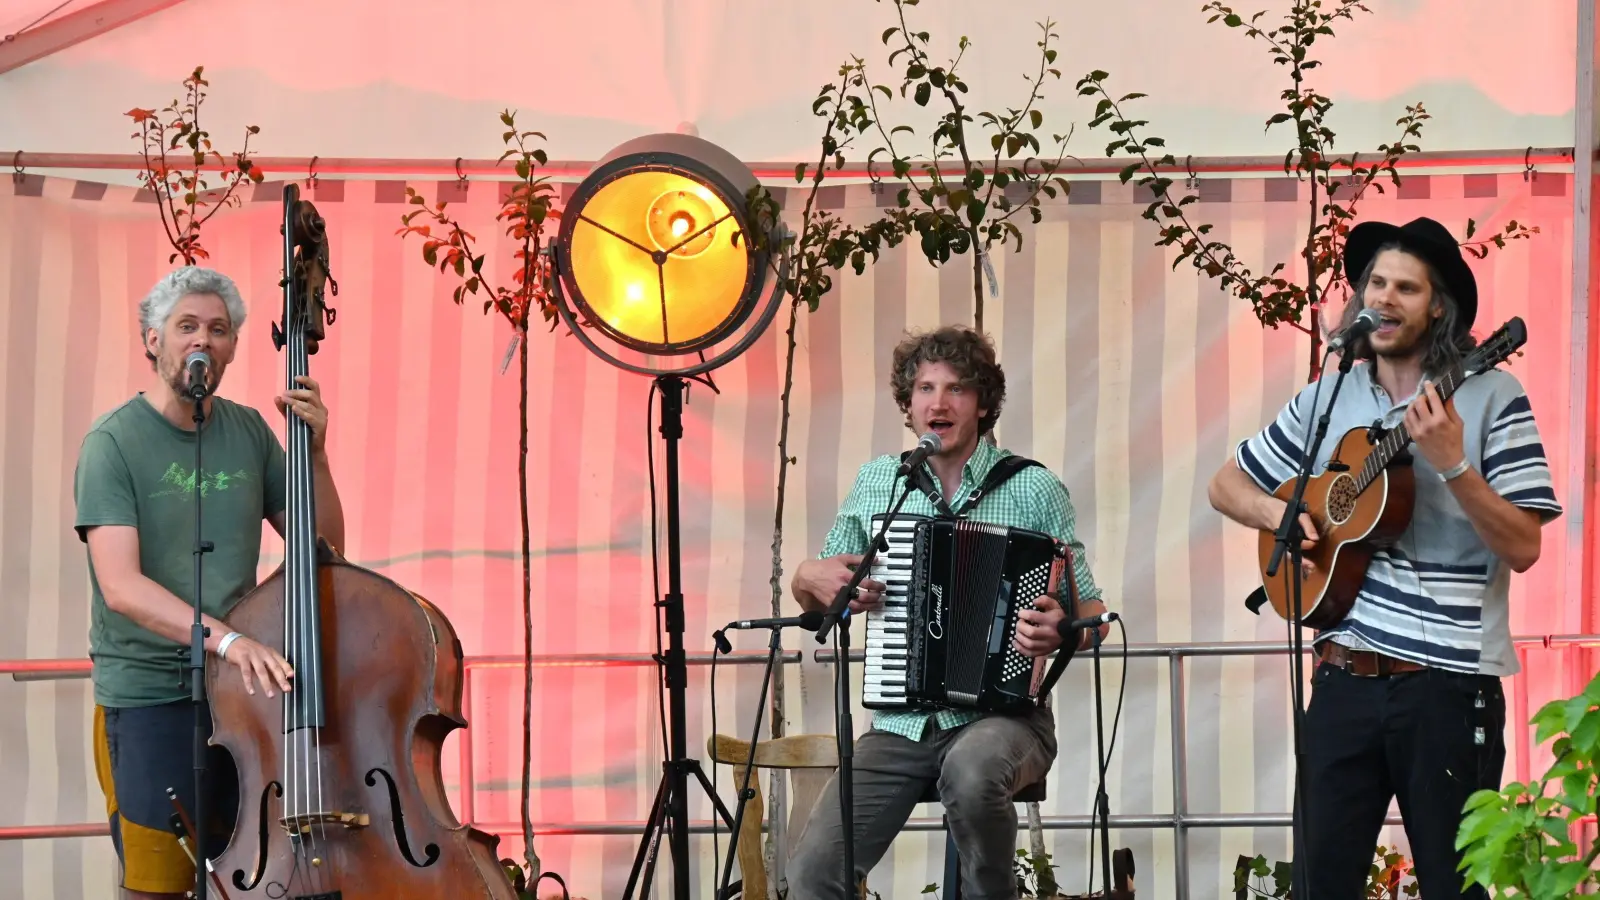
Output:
(302, 707)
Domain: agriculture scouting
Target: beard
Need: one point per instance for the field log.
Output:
(171, 370)
(1407, 341)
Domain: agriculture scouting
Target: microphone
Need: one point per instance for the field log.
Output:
(197, 367)
(1367, 321)
(1068, 630)
(927, 445)
(810, 620)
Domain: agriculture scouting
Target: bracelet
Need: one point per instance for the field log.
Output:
(1455, 471)
(222, 645)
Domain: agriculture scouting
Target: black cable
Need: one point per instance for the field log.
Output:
(1105, 765)
(655, 562)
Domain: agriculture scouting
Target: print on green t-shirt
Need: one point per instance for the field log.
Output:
(136, 468)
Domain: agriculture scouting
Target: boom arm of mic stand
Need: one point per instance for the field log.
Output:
(1288, 527)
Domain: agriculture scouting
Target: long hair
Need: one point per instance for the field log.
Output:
(1448, 338)
(969, 353)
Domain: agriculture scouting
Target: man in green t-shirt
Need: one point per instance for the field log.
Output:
(136, 491)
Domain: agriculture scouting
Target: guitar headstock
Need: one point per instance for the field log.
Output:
(1506, 342)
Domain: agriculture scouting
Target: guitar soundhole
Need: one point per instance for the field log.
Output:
(1341, 499)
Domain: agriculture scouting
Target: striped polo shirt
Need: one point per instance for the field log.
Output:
(1439, 596)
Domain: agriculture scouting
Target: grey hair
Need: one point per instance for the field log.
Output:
(1448, 339)
(156, 307)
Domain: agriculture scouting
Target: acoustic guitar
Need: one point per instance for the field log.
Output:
(1362, 501)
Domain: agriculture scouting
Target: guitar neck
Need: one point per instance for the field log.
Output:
(1396, 440)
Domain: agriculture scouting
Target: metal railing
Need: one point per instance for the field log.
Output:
(1180, 820)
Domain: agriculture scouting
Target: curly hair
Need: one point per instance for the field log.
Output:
(156, 307)
(969, 353)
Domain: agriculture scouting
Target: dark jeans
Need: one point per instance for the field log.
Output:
(1429, 738)
(977, 767)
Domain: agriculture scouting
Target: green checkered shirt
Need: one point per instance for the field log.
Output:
(1033, 498)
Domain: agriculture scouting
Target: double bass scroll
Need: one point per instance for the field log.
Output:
(341, 794)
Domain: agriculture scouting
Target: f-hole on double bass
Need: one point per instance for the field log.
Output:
(341, 796)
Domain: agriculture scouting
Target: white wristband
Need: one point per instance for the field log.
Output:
(222, 645)
(1455, 471)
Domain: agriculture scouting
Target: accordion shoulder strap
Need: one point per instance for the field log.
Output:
(1069, 603)
(999, 474)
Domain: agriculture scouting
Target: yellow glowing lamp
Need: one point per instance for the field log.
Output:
(654, 252)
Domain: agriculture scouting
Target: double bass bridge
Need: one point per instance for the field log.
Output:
(302, 823)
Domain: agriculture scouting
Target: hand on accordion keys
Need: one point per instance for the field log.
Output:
(1041, 631)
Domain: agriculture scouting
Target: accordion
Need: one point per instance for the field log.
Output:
(955, 588)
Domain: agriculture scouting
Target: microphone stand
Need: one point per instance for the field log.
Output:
(839, 614)
(774, 647)
(1287, 539)
(197, 655)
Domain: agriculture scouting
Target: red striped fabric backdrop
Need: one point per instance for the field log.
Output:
(1128, 379)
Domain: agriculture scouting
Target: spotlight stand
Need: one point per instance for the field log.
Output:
(671, 807)
(669, 813)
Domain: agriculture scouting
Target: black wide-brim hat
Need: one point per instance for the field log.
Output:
(1426, 239)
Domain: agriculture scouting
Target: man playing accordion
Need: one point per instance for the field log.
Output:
(946, 382)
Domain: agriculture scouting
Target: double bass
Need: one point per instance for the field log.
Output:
(341, 796)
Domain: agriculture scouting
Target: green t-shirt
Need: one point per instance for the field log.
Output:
(137, 468)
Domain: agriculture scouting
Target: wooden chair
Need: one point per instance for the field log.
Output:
(810, 760)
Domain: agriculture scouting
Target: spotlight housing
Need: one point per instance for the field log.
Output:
(653, 252)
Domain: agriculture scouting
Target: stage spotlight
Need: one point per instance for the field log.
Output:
(654, 253)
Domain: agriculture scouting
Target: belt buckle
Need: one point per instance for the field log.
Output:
(1377, 664)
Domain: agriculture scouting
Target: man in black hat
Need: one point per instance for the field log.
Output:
(1406, 699)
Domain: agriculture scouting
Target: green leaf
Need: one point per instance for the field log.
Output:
(800, 172)
(923, 91)
(1036, 117)
(887, 33)
(1575, 709)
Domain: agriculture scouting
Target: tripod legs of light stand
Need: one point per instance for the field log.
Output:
(671, 807)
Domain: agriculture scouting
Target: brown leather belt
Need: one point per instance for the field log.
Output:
(1366, 663)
